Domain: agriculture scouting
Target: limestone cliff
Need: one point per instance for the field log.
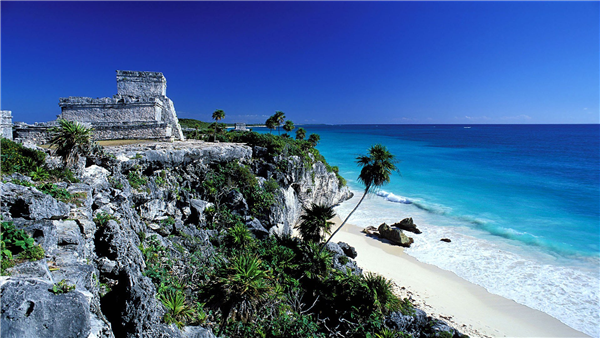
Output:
(94, 240)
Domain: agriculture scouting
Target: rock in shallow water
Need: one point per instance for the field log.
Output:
(407, 224)
(395, 236)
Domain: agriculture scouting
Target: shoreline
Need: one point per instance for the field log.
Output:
(468, 307)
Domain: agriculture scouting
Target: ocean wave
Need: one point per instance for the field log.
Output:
(566, 292)
(393, 198)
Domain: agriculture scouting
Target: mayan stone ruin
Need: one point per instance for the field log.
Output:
(6, 124)
(139, 110)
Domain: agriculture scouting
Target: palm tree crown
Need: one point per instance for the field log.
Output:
(300, 133)
(218, 115)
(279, 117)
(377, 166)
(288, 126)
(315, 223)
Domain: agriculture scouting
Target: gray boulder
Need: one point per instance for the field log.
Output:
(412, 325)
(349, 251)
(396, 236)
(407, 224)
(30, 203)
(256, 228)
(29, 309)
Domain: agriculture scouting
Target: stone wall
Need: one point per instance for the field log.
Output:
(6, 124)
(133, 131)
(140, 105)
(116, 109)
(138, 84)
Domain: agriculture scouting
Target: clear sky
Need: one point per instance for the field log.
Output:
(319, 62)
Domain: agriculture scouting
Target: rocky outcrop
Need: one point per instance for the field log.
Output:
(421, 325)
(30, 309)
(396, 236)
(137, 192)
(30, 203)
(301, 186)
(407, 224)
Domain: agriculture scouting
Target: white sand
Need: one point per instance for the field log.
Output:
(444, 295)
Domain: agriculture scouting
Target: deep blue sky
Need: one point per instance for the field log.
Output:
(319, 62)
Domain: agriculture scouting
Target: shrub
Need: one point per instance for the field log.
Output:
(60, 194)
(18, 159)
(136, 180)
(102, 218)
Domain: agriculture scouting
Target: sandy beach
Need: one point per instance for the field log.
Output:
(442, 294)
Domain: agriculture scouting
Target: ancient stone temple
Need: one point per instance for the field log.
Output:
(139, 110)
(6, 124)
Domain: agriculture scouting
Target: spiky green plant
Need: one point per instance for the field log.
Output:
(315, 222)
(385, 300)
(240, 286)
(71, 139)
(178, 312)
(239, 235)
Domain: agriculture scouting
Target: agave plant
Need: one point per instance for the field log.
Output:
(239, 235)
(240, 287)
(71, 139)
(178, 312)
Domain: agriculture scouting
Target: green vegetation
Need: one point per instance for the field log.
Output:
(62, 287)
(71, 139)
(377, 167)
(300, 134)
(136, 180)
(19, 159)
(217, 116)
(16, 246)
(102, 218)
(315, 223)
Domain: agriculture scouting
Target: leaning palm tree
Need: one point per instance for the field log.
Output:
(71, 140)
(279, 117)
(288, 126)
(300, 133)
(217, 115)
(315, 223)
(377, 166)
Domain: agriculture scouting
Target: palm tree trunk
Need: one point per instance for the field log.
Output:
(347, 217)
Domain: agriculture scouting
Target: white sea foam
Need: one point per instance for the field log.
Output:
(393, 198)
(563, 288)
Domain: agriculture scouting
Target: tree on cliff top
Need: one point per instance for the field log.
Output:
(217, 115)
(71, 140)
(377, 166)
(271, 124)
(288, 126)
(279, 117)
(300, 133)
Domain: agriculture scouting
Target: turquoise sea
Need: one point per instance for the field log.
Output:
(521, 204)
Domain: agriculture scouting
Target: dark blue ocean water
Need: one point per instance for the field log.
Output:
(521, 204)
